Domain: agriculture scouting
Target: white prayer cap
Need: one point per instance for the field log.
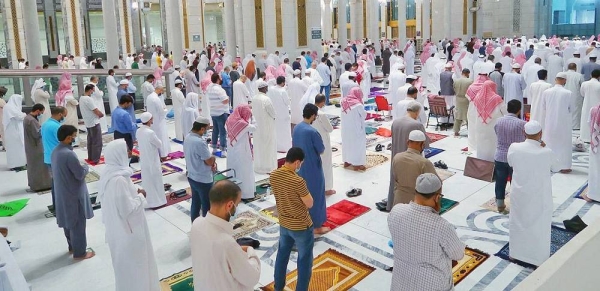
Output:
(124, 82)
(448, 65)
(202, 120)
(516, 66)
(411, 77)
(442, 57)
(298, 57)
(261, 84)
(428, 183)
(533, 127)
(352, 74)
(416, 135)
(481, 56)
(562, 75)
(593, 55)
(178, 81)
(177, 67)
(145, 117)
(297, 72)
(128, 74)
(401, 67)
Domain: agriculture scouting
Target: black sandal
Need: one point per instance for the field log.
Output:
(354, 192)
(334, 149)
(378, 148)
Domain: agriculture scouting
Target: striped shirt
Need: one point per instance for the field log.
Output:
(509, 129)
(288, 187)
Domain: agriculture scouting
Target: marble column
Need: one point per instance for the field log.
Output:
(373, 24)
(355, 23)
(313, 20)
(286, 36)
(147, 34)
(384, 20)
(448, 19)
(13, 32)
(426, 19)
(253, 33)
(109, 17)
(469, 21)
(230, 33)
(270, 25)
(31, 28)
(136, 26)
(87, 30)
(174, 30)
(326, 19)
(239, 27)
(73, 27)
(195, 24)
(402, 22)
(51, 31)
(342, 23)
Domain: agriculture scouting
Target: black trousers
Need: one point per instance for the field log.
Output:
(127, 137)
(94, 143)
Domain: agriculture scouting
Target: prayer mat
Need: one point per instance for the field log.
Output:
(375, 160)
(479, 169)
(375, 89)
(92, 177)
(271, 213)
(372, 116)
(182, 281)
(447, 204)
(331, 271)
(430, 152)
(444, 174)
(370, 101)
(175, 200)
(177, 141)
(558, 238)
(473, 258)
(280, 162)
(492, 206)
(337, 214)
(259, 190)
(12, 207)
(167, 169)
(582, 190)
(370, 130)
(134, 152)
(382, 131)
(435, 137)
(106, 138)
(251, 222)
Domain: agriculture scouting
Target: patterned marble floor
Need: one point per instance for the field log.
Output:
(46, 265)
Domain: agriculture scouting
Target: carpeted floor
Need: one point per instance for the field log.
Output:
(473, 258)
(251, 222)
(166, 170)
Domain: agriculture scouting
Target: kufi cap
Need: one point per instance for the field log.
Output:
(128, 74)
(261, 84)
(428, 183)
(593, 55)
(416, 135)
(297, 72)
(145, 117)
(533, 127)
(516, 66)
(178, 81)
(352, 74)
(401, 67)
(298, 57)
(448, 65)
(124, 82)
(411, 77)
(202, 120)
(481, 56)
(562, 75)
(177, 67)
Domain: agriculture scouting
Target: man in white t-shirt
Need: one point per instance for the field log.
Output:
(91, 118)
(219, 111)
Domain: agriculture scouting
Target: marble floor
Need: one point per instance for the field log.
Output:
(46, 265)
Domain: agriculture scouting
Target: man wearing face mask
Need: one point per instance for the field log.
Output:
(49, 137)
(219, 263)
(37, 173)
(425, 244)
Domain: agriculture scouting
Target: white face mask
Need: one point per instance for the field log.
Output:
(233, 215)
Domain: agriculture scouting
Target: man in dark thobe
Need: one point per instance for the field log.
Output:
(38, 176)
(385, 55)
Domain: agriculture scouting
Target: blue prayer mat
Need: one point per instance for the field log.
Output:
(430, 152)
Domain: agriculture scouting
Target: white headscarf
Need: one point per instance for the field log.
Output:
(38, 84)
(309, 96)
(191, 102)
(117, 164)
(12, 109)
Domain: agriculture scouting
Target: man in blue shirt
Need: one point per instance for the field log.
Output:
(123, 85)
(529, 52)
(325, 73)
(49, 133)
(226, 82)
(121, 121)
(200, 166)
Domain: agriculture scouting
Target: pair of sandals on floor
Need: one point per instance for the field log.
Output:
(379, 147)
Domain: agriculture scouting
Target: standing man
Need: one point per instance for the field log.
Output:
(241, 94)
(178, 99)
(462, 102)
(535, 97)
(557, 135)
(309, 140)
(38, 176)
(296, 88)
(514, 84)
(113, 88)
(219, 111)
(509, 129)
(589, 67)
(158, 110)
(425, 244)
(530, 75)
(281, 103)
(574, 83)
(49, 133)
(323, 126)
(127, 230)
(239, 138)
(497, 75)
(13, 140)
(121, 122)
(72, 199)
(147, 88)
(293, 202)
(396, 80)
(98, 96)
(152, 179)
(131, 89)
(590, 90)
(447, 85)
(594, 173)
(91, 118)
(325, 73)
(531, 217)
(265, 142)
(200, 166)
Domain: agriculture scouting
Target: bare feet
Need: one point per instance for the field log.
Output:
(4, 231)
(89, 254)
(566, 171)
(360, 168)
(322, 230)
(586, 198)
(456, 134)
(330, 192)
(346, 165)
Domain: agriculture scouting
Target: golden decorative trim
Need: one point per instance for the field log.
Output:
(75, 30)
(474, 24)
(302, 35)
(364, 15)
(15, 25)
(202, 14)
(278, 23)
(465, 16)
(185, 24)
(126, 26)
(258, 19)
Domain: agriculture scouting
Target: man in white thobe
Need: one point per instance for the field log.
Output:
(574, 82)
(409, 58)
(478, 65)
(506, 62)
(158, 109)
(397, 79)
(557, 135)
(535, 97)
(531, 197)
(323, 126)
(590, 90)
(112, 87)
(127, 232)
(513, 84)
(402, 105)
(265, 144)
(148, 88)
(554, 65)
(575, 60)
(241, 94)
(281, 102)
(594, 171)
(296, 88)
(178, 100)
(149, 145)
(14, 134)
(530, 74)
(174, 76)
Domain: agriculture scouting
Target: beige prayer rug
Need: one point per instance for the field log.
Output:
(491, 204)
(251, 222)
(473, 258)
(331, 271)
(182, 281)
(92, 177)
(444, 174)
(374, 160)
(106, 138)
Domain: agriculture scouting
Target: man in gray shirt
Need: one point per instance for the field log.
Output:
(497, 77)
(589, 67)
(72, 201)
(447, 82)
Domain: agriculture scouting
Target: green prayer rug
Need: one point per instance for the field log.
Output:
(13, 207)
(182, 281)
(260, 189)
(447, 204)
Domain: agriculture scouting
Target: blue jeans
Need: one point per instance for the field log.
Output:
(199, 198)
(304, 241)
(219, 131)
(501, 171)
(327, 92)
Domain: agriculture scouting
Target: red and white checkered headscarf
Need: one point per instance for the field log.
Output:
(237, 122)
(487, 100)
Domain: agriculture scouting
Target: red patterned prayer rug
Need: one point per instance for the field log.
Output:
(435, 137)
(342, 212)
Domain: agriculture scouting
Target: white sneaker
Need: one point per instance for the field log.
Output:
(223, 154)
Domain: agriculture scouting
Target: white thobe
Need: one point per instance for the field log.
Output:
(112, 87)
(265, 144)
(409, 58)
(281, 103)
(485, 135)
(346, 87)
(323, 126)
(576, 61)
(128, 237)
(531, 203)
(555, 66)
(594, 173)
(478, 67)
(98, 97)
(557, 133)
(513, 84)
(241, 94)
(14, 141)
(590, 90)
(42, 97)
(172, 78)
(535, 99)
(147, 89)
(149, 145)
(159, 124)
(354, 137)
(397, 80)
(467, 63)
(296, 88)
(365, 85)
(400, 110)
(239, 158)
(506, 62)
(178, 99)
(574, 82)
(530, 76)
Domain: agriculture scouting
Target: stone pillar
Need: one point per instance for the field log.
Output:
(195, 24)
(87, 35)
(384, 20)
(426, 19)
(175, 31)
(230, 33)
(469, 21)
(73, 27)
(342, 23)
(373, 24)
(286, 36)
(51, 31)
(32, 33)
(136, 26)
(326, 15)
(13, 32)
(251, 31)
(313, 20)
(355, 22)
(448, 20)
(239, 27)
(109, 17)
(402, 22)
(148, 35)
